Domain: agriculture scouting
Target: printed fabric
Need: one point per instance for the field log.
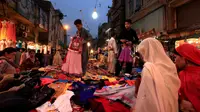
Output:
(124, 94)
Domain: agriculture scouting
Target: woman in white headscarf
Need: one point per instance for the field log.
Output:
(158, 90)
(57, 59)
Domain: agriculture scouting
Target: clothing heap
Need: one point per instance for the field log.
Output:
(50, 90)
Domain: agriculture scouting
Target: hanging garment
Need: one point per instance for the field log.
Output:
(4, 30)
(73, 63)
(11, 31)
(8, 43)
(2, 45)
(112, 47)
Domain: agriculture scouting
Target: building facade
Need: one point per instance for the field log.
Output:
(35, 21)
(116, 15)
(102, 34)
(146, 15)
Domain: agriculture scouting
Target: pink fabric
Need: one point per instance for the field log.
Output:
(125, 55)
(73, 63)
(45, 81)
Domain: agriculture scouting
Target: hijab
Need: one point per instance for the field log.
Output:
(190, 76)
(158, 91)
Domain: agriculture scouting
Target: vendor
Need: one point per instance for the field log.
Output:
(7, 58)
(8, 69)
(31, 62)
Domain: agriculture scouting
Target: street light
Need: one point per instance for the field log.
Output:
(94, 14)
(88, 44)
(92, 51)
(66, 27)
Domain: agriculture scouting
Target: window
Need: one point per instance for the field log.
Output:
(138, 5)
(131, 7)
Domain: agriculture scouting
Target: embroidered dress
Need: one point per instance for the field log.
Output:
(72, 64)
(125, 55)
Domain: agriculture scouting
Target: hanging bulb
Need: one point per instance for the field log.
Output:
(94, 14)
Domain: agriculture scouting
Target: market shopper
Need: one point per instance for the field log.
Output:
(127, 36)
(158, 90)
(112, 53)
(188, 63)
(40, 57)
(31, 62)
(83, 33)
(7, 65)
(57, 59)
(23, 56)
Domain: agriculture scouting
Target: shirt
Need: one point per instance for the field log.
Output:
(86, 37)
(129, 35)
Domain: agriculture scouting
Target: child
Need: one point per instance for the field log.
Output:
(125, 57)
(72, 64)
(112, 52)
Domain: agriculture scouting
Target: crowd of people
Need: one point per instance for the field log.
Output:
(163, 86)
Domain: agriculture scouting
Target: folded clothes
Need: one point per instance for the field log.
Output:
(124, 94)
(45, 81)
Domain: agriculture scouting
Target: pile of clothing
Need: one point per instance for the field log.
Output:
(49, 89)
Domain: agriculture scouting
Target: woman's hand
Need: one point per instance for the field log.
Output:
(186, 106)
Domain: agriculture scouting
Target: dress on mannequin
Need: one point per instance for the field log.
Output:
(4, 30)
(2, 45)
(11, 31)
(9, 43)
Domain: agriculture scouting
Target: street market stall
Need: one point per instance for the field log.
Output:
(50, 90)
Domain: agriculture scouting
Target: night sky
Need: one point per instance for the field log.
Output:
(72, 8)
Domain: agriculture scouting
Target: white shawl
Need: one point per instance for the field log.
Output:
(158, 91)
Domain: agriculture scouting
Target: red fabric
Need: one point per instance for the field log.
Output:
(45, 81)
(105, 105)
(189, 52)
(33, 111)
(190, 85)
(62, 77)
(130, 82)
(107, 83)
(190, 76)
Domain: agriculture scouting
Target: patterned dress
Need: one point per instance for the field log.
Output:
(72, 64)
